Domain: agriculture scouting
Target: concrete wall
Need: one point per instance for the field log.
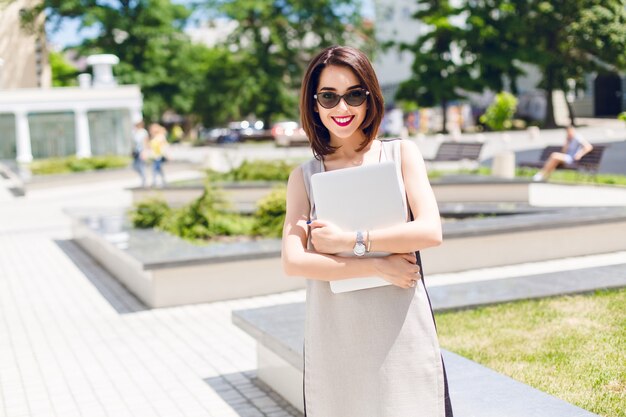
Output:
(24, 53)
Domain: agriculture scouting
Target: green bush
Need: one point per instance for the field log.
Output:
(255, 171)
(205, 218)
(500, 113)
(622, 116)
(73, 164)
(270, 214)
(149, 213)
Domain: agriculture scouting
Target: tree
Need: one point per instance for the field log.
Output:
(493, 37)
(223, 92)
(274, 41)
(570, 38)
(565, 39)
(63, 73)
(146, 35)
(440, 72)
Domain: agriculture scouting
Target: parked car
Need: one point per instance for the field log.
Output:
(250, 130)
(217, 135)
(288, 133)
(235, 132)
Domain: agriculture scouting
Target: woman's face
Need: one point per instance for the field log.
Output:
(342, 121)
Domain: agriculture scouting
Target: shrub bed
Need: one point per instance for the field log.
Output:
(74, 164)
(255, 171)
(206, 218)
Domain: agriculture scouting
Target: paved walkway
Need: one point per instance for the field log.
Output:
(65, 351)
(73, 342)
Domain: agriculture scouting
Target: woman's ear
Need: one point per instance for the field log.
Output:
(315, 108)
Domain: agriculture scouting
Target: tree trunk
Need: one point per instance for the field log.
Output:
(570, 109)
(548, 121)
(444, 108)
(513, 84)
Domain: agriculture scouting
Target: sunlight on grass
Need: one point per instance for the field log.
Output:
(573, 347)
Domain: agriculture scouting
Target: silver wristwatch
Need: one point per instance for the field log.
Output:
(359, 246)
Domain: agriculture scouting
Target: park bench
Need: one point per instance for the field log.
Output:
(457, 151)
(589, 163)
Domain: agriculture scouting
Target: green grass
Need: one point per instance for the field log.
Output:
(572, 177)
(576, 177)
(572, 347)
(73, 164)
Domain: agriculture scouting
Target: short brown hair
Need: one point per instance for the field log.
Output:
(352, 58)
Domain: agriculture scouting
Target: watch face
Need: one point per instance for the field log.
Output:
(359, 249)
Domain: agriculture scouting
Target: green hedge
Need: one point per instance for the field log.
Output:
(149, 213)
(206, 217)
(270, 214)
(255, 171)
(73, 164)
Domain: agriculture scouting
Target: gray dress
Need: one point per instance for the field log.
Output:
(372, 352)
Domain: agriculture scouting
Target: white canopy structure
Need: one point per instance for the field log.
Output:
(34, 112)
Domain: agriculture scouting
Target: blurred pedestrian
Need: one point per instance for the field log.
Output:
(158, 152)
(574, 148)
(177, 133)
(140, 147)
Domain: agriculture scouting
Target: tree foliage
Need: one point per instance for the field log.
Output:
(500, 113)
(63, 73)
(569, 38)
(440, 71)
(146, 35)
(564, 39)
(275, 39)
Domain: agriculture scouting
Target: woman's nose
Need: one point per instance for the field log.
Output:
(342, 104)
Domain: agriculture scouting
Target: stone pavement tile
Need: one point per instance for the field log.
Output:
(67, 350)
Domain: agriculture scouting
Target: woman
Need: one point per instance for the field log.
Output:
(372, 352)
(574, 149)
(158, 146)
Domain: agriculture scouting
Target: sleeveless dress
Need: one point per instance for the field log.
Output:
(372, 352)
(572, 149)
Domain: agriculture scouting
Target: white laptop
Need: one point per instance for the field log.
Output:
(361, 198)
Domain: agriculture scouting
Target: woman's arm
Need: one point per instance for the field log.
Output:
(584, 150)
(297, 260)
(421, 233)
(425, 230)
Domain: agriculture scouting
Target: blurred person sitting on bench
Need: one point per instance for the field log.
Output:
(574, 149)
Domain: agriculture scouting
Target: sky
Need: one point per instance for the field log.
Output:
(68, 34)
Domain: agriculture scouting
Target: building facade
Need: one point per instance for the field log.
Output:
(93, 119)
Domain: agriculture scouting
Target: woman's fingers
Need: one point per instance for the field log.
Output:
(400, 270)
(317, 223)
(409, 257)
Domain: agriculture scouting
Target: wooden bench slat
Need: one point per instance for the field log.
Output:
(457, 151)
(589, 162)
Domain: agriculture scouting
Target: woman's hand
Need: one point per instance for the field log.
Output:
(399, 269)
(330, 239)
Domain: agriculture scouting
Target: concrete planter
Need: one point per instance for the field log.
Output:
(163, 270)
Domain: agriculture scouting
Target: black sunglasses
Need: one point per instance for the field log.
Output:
(328, 99)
